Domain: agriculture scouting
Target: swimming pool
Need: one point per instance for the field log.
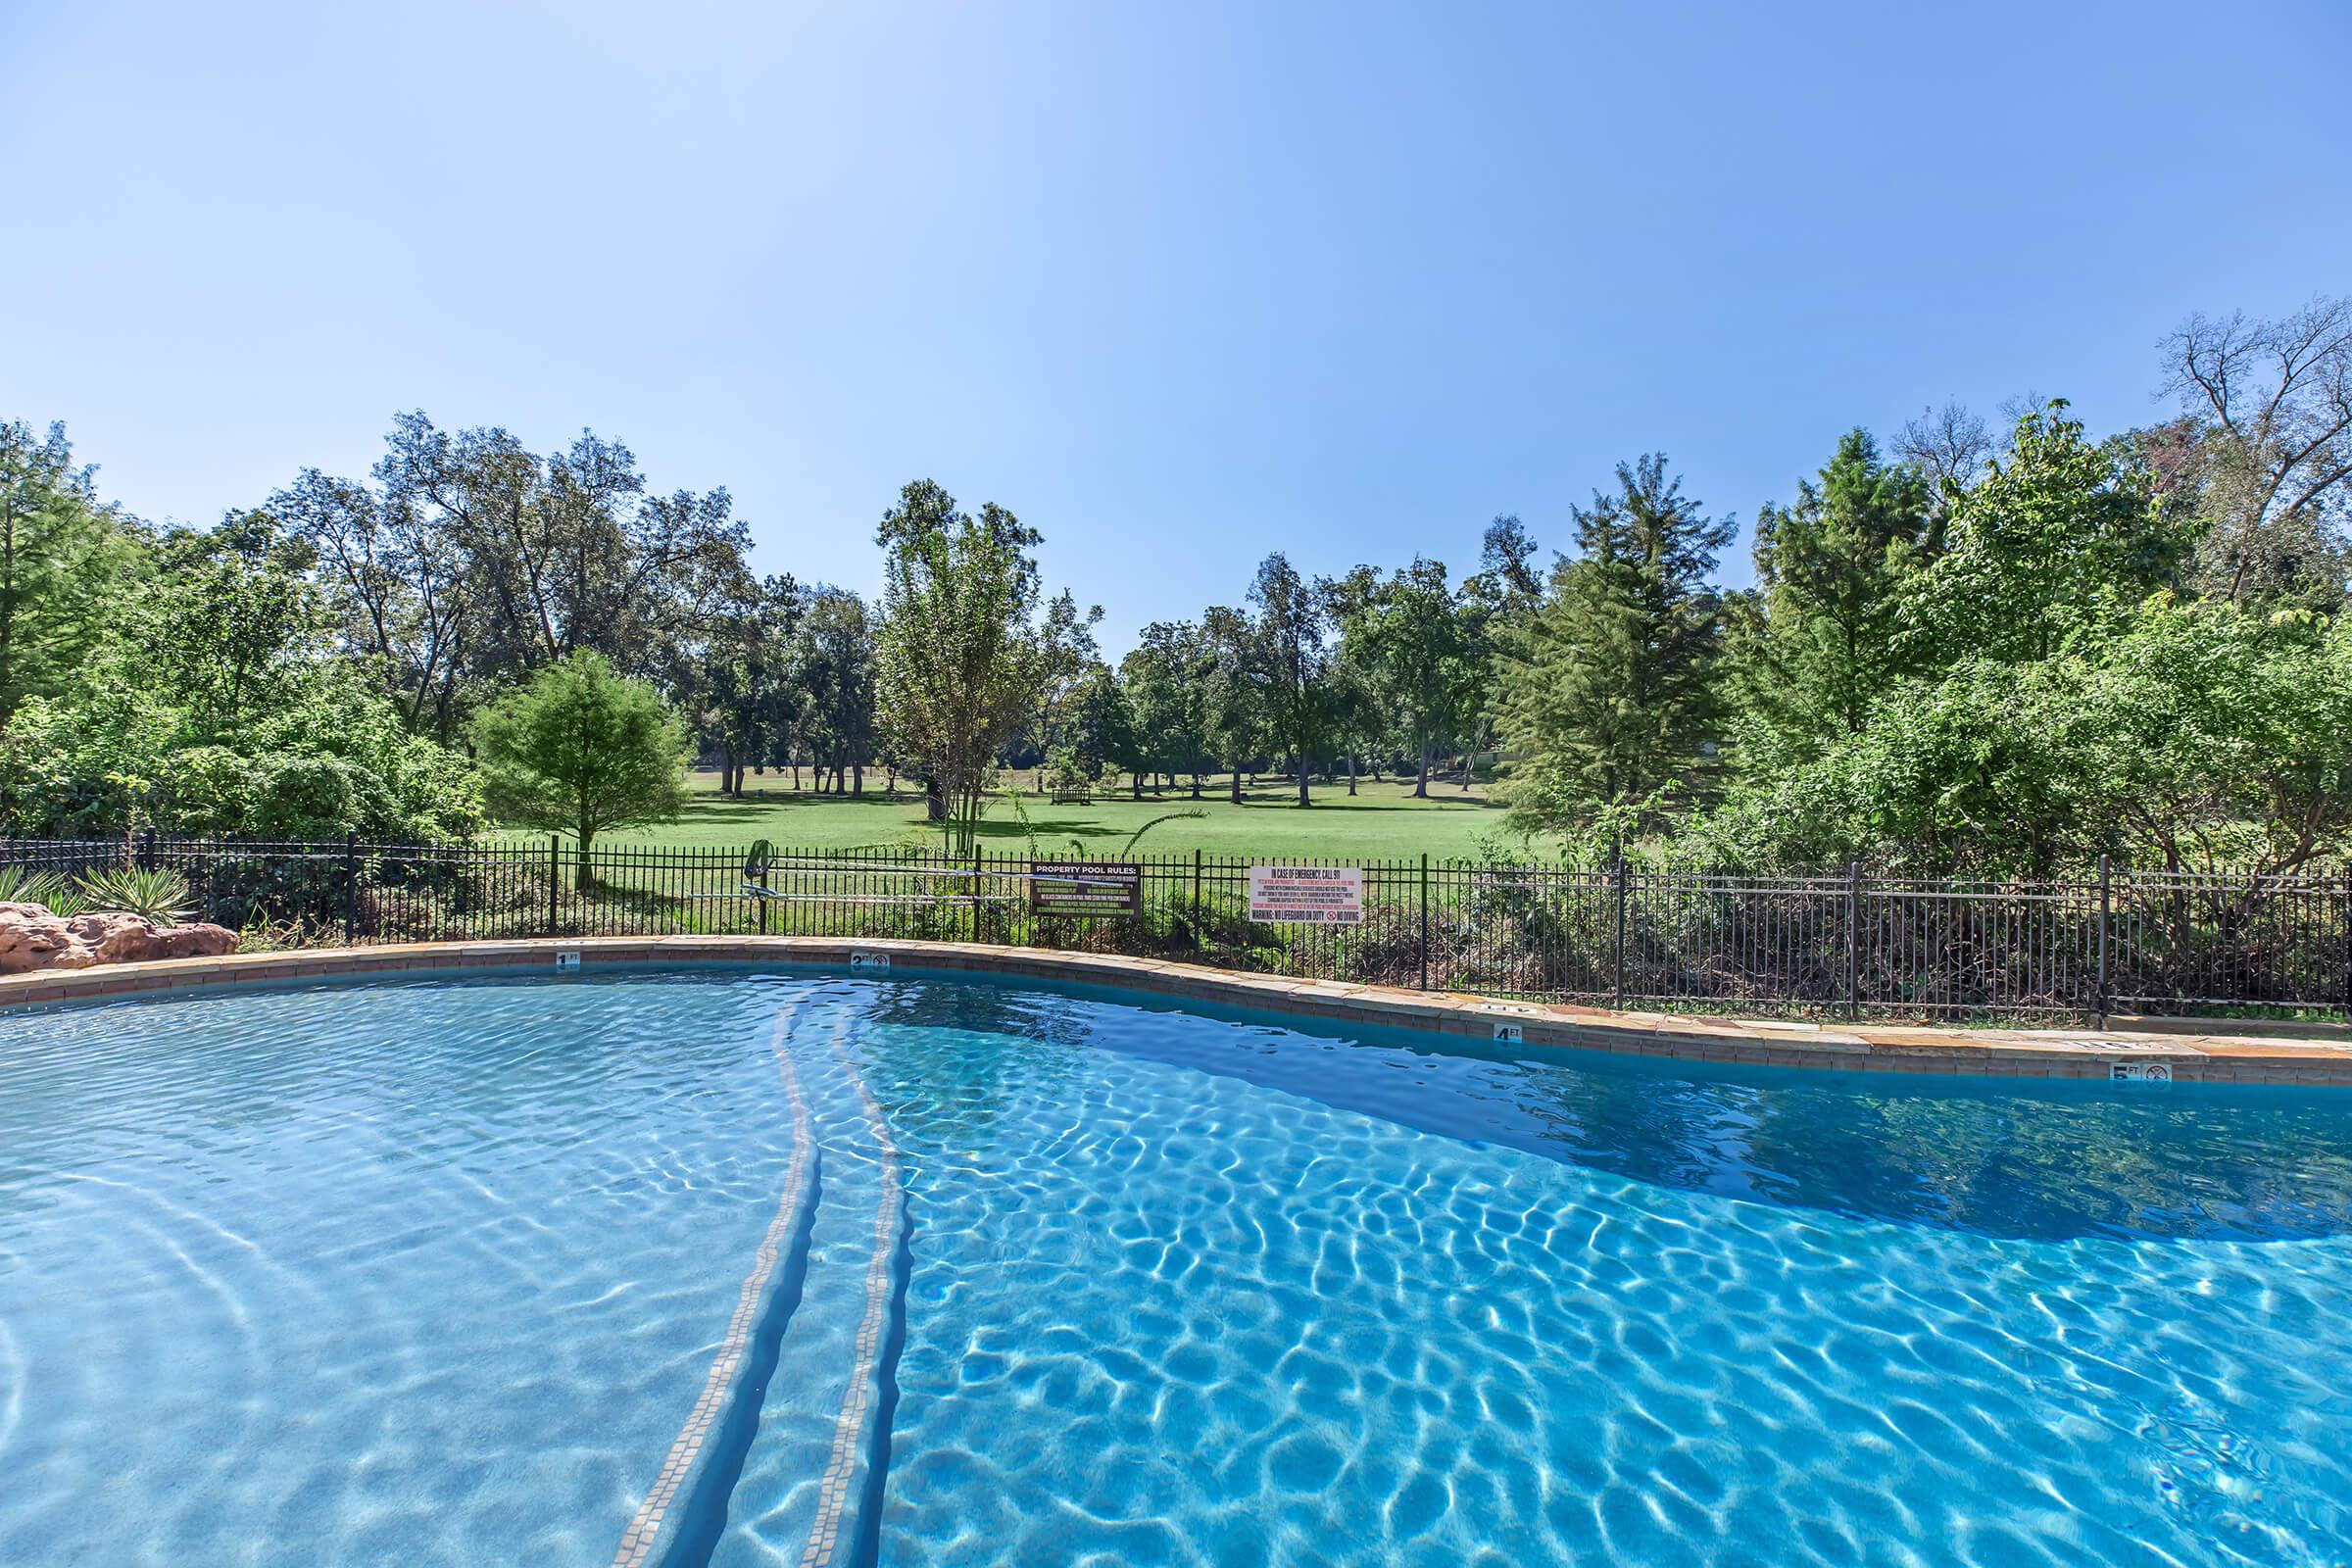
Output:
(743, 1266)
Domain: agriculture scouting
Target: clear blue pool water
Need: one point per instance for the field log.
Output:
(437, 1272)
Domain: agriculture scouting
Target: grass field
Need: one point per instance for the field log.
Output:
(1382, 821)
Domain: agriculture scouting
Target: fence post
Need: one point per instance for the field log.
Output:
(2099, 1001)
(1853, 940)
(1618, 966)
(351, 884)
(1425, 920)
(555, 878)
(1200, 924)
(2348, 945)
(978, 854)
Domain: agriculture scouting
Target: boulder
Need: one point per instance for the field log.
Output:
(33, 938)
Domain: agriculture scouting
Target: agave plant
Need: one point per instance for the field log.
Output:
(159, 896)
(23, 885)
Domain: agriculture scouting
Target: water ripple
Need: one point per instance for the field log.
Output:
(1207, 1314)
(432, 1273)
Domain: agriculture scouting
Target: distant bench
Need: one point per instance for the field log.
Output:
(1072, 797)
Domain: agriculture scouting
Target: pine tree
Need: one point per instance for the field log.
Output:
(1609, 691)
(1824, 641)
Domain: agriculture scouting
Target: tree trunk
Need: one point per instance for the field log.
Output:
(1303, 799)
(1136, 792)
(1421, 784)
(581, 881)
(934, 802)
(1237, 783)
(1351, 770)
(857, 779)
(7, 595)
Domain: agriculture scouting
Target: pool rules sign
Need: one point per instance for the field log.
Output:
(1085, 887)
(1307, 895)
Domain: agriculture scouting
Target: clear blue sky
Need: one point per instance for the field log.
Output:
(1178, 284)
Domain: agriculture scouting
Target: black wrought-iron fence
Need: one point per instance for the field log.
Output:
(1839, 944)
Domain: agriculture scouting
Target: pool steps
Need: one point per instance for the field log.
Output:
(808, 1487)
(679, 1521)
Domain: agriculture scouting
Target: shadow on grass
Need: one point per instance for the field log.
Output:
(640, 902)
(1324, 798)
(747, 807)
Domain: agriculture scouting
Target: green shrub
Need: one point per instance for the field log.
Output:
(23, 885)
(320, 797)
(159, 896)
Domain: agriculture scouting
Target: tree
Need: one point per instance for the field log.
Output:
(212, 698)
(401, 586)
(1609, 691)
(2196, 735)
(729, 678)
(1355, 693)
(1234, 701)
(836, 665)
(1496, 606)
(468, 560)
(1952, 448)
(1507, 581)
(962, 665)
(591, 560)
(2267, 449)
(1413, 634)
(2057, 542)
(1293, 621)
(457, 509)
(2225, 736)
(1831, 571)
(581, 746)
(232, 626)
(1166, 683)
(1104, 731)
(61, 556)
(1065, 674)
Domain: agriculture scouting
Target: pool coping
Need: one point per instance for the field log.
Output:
(2216, 1057)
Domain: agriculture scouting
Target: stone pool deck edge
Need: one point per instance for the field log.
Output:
(2217, 1057)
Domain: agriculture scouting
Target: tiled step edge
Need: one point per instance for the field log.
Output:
(685, 1511)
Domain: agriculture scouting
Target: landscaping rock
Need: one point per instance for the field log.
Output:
(33, 938)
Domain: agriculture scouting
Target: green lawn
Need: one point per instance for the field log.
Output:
(1382, 821)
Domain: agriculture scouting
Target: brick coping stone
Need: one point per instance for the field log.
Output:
(1856, 1048)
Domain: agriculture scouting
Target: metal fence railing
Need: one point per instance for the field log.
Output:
(1838, 944)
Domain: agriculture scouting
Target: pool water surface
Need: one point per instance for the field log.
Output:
(743, 1266)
